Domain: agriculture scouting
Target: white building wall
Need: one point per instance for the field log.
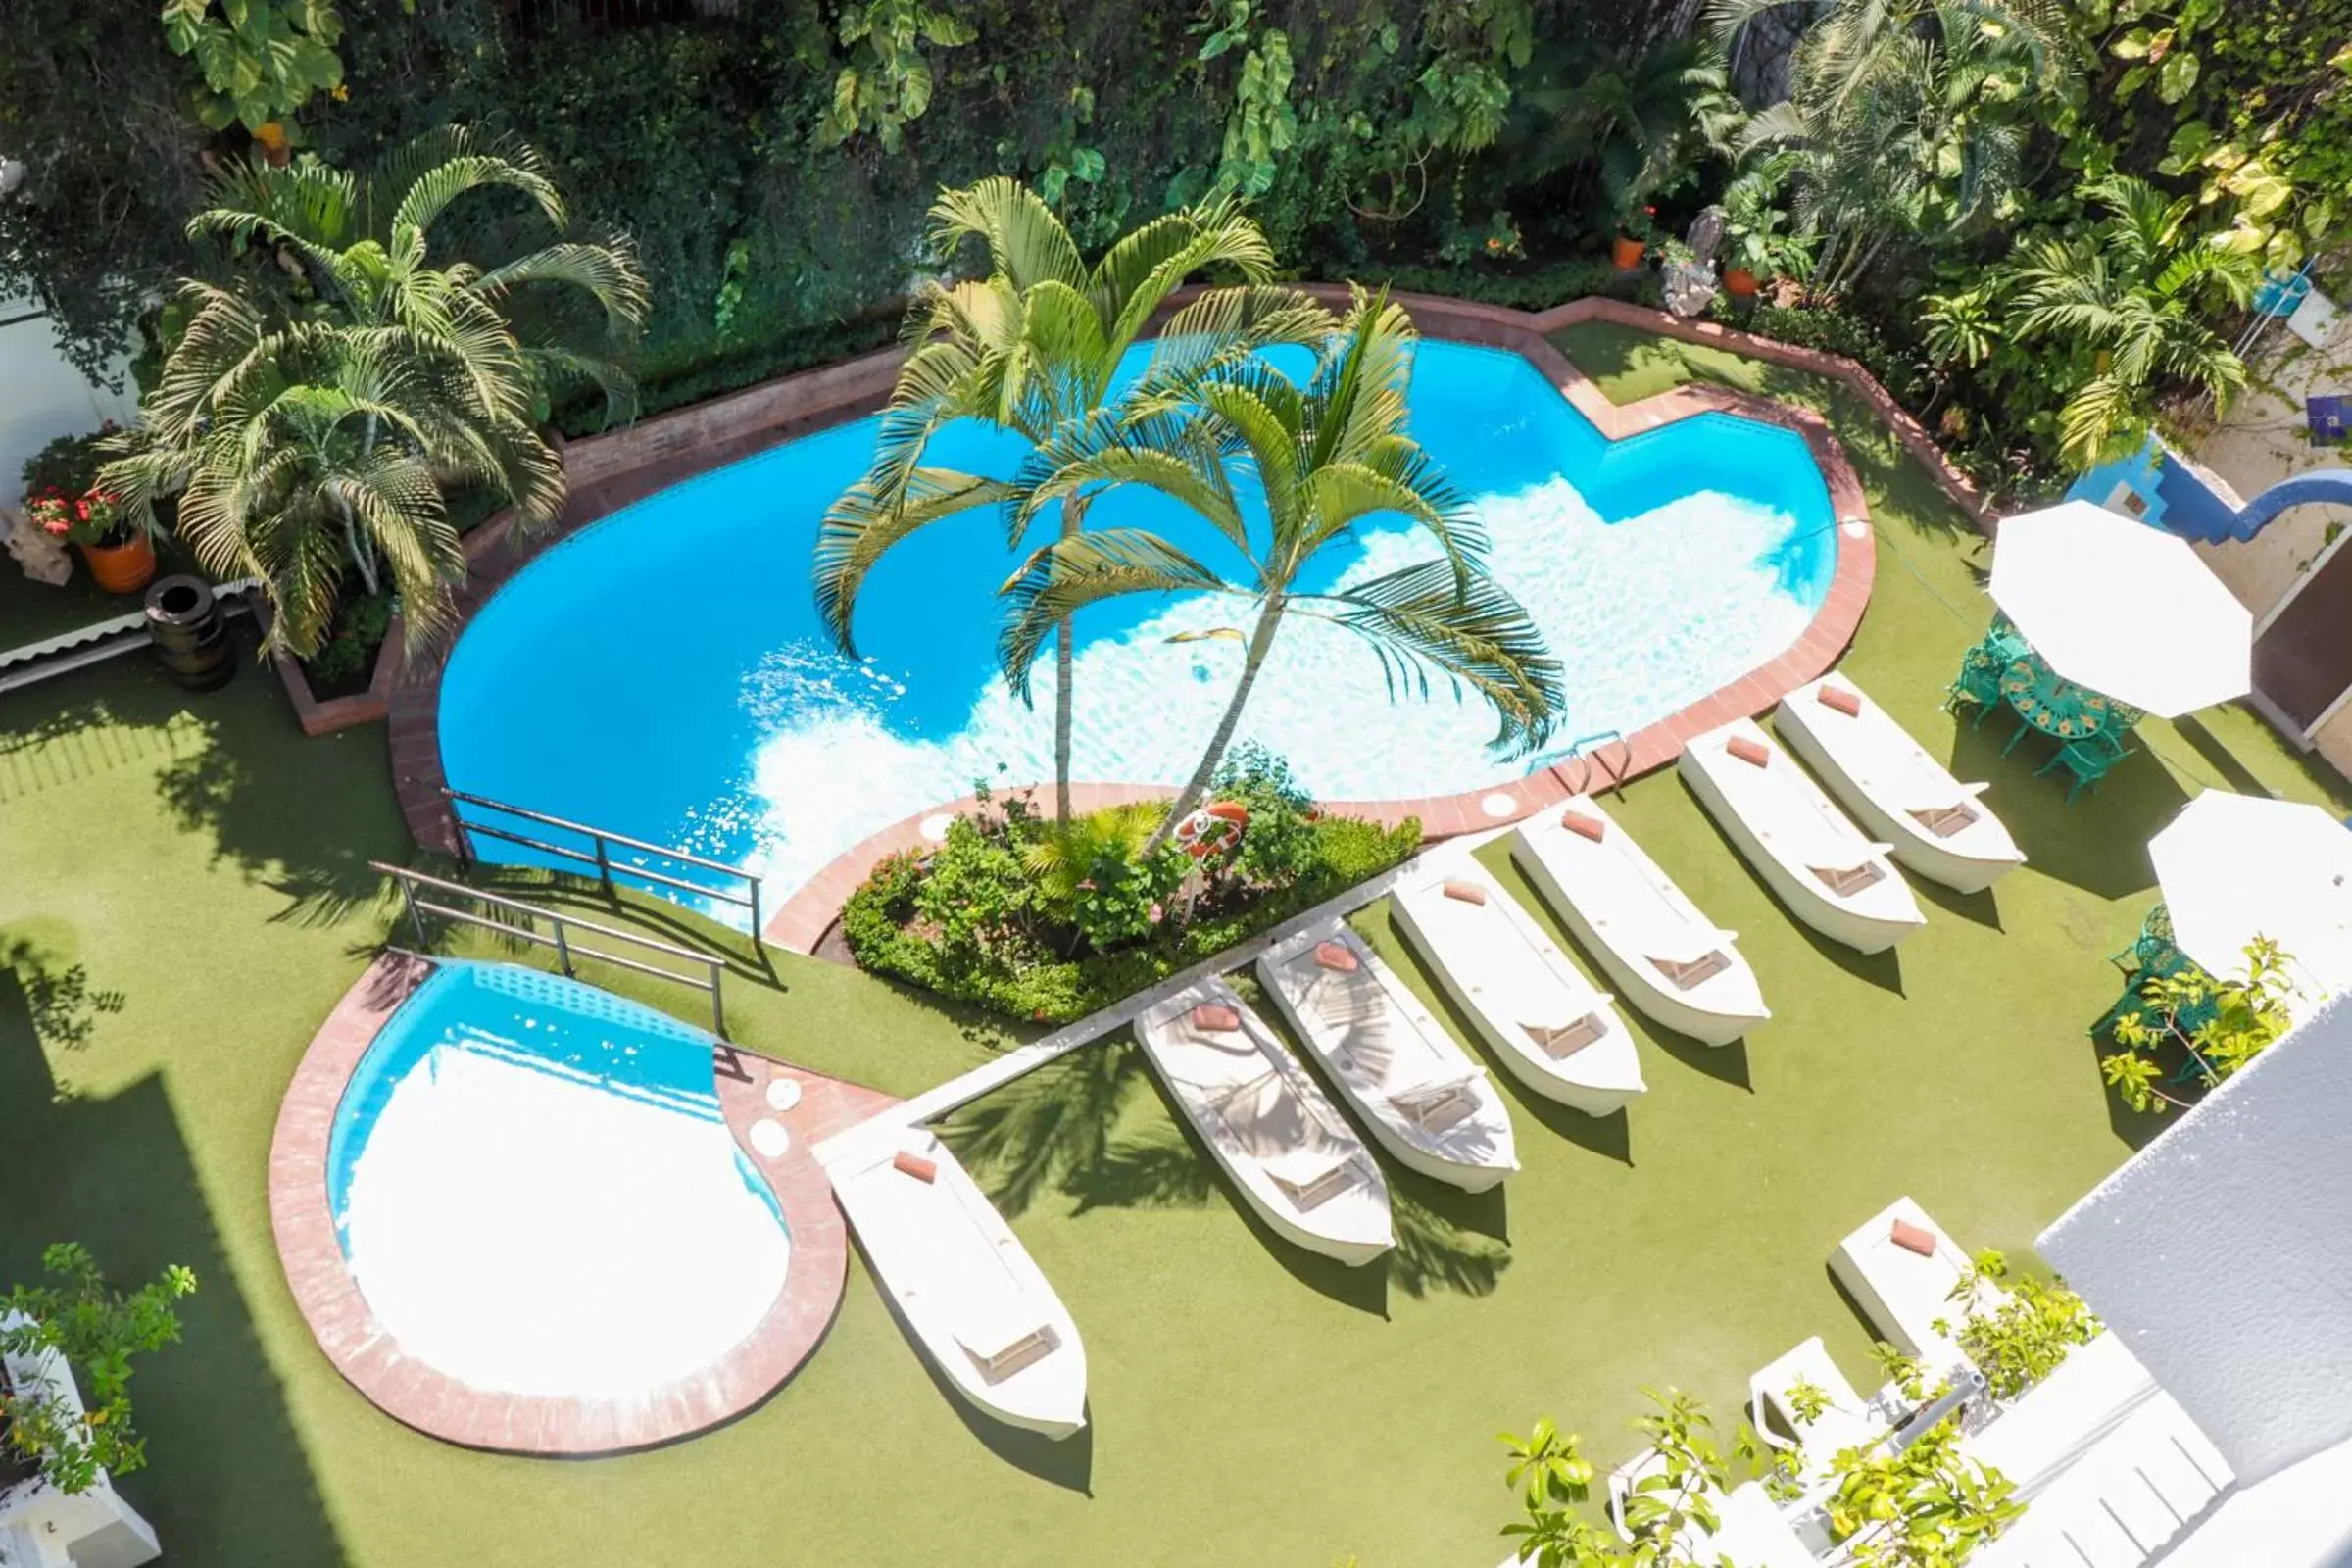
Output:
(44, 397)
(2223, 1253)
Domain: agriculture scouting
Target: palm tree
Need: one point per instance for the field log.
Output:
(1032, 348)
(1641, 122)
(1324, 457)
(1902, 120)
(315, 434)
(2129, 294)
(311, 460)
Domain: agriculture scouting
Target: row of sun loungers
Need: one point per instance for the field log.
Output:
(993, 1325)
(1830, 873)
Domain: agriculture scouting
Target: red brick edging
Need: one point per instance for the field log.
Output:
(611, 472)
(421, 1397)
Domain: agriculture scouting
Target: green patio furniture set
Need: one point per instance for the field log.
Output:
(2002, 671)
(2154, 956)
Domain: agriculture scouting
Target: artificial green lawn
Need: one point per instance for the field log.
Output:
(184, 894)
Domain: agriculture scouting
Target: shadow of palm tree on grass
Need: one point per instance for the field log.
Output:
(1069, 1130)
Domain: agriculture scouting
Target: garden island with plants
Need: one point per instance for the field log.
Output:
(889, 779)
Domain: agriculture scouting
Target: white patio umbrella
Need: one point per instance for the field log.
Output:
(2237, 866)
(2122, 609)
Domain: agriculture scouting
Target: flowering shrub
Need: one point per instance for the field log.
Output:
(93, 517)
(1638, 222)
(1047, 923)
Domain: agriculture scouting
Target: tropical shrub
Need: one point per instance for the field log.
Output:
(68, 466)
(1047, 923)
(311, 420)
(1926, 1505)
(97, 1330)
(2228, 1023)
(2021, 1340)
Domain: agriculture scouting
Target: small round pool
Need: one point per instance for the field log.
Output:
(662, 673)
(535, 1191)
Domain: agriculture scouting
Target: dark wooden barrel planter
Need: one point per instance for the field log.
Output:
(190, 634)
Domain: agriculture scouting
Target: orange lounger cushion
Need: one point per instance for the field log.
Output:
(915, 1165)
(1838, 697)
(1334, 955)
(1912, 1239)
(1590, 828)
(1467, 892)
(1748, 750)
(1215, 1018)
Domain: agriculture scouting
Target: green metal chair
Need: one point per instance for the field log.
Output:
(1978, 682)
(2089, 760)
(2152, 956)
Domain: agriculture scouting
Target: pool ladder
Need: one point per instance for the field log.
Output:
(1576, 753)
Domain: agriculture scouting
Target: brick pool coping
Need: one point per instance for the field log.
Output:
(611, 472)
(418, 1394)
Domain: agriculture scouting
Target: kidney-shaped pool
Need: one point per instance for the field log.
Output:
(662, 673)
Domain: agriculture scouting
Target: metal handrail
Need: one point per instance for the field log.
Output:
(602, 857)
(1576, 753)
(560, 938)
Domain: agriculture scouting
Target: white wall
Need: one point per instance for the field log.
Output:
(42, 397)
(2222, 1253)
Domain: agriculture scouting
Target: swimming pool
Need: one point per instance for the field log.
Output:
(662, 673)
(536, 1194)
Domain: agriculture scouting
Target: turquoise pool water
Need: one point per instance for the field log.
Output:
(662, 673)
(535, 1190)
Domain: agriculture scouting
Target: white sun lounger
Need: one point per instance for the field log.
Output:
(1829, 875)
(1424, 1098)
(1552, 1029)
(964, 1283)
(1663, 957)
(1905, 1294)
(1849, 1422)
(1294, 1158)
(1937, 826)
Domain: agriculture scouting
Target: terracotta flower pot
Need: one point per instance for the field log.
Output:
(1740, 281)
(1627, 253)
(121, 568)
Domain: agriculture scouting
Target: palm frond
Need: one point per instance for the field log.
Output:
(861, 527)
(1072, 572)
(1421, 622)
(1026, 243)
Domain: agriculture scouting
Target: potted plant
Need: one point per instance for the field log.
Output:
(1635, 226)
(1758, 242)
(117, 549)
(82, 1325)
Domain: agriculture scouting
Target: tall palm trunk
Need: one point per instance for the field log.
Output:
(362, 554)
(1065, 666)
(1261, 641)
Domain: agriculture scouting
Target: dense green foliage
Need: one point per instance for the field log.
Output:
(97, 1330)
(1048, 925)
(2219, 1026)
(1925, 1506)
(313, 412)
(774, 159)
(2023, 1339)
